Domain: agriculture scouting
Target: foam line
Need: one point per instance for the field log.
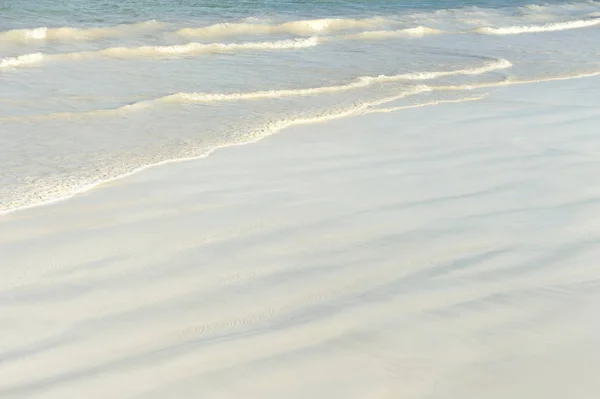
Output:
(418, 31)
(302, 27)
(551, 27)
(70, 33)
(157, 51)
(400, 108)
(21, 61)
(361, 82)
(510, 82)
(257, 135)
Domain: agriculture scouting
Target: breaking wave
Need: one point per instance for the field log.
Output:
(303, 27)
(550, 27)
(158, 51)
(194, 48)
(68, 33)
(418, 31)
(362, 81)
(20, 61)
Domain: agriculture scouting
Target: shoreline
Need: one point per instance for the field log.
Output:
(277, 127)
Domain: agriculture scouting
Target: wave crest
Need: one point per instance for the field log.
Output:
(303, 27)
(418, 31)
(69, 33)
(159, 51)
(22, 60)
(199, 48)
(360, 82)
(550, 27)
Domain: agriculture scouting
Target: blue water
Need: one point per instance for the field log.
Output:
(92, 90)
(19, 13)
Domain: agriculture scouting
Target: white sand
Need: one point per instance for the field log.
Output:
(441, 252)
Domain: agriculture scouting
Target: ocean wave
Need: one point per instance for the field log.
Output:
(373, 105)
(68, 33)
(418, 31)
(20, 61)
(251, 137)
(303, 27)
(359, 82)
(512, 82)
(550, 27)
(272, 128)
(197, 48)
(420, 105)
(495, 65)
(159, 51)
(533, 7)
(193, 97)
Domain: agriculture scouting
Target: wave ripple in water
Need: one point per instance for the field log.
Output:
(140, 94)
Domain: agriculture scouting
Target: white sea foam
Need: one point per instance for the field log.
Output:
(550, 27)
(160, 51)
(418, 31)
(335, 114)
(427, 104)
(488, 67)
(533, 7)
(303, 27)
(360, 82)
(263, 94)
(360, 108)
(198, 48)
(20, 61)
(511, 82)
(69, 33)
(357, 83)
(267, 130)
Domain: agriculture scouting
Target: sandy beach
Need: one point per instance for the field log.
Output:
(407, 254)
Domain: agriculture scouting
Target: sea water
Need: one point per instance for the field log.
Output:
(94, 90)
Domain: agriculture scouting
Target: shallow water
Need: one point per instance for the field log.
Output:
(90, 91)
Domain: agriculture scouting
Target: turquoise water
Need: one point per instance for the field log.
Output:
(90, 91)
(18, 13)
